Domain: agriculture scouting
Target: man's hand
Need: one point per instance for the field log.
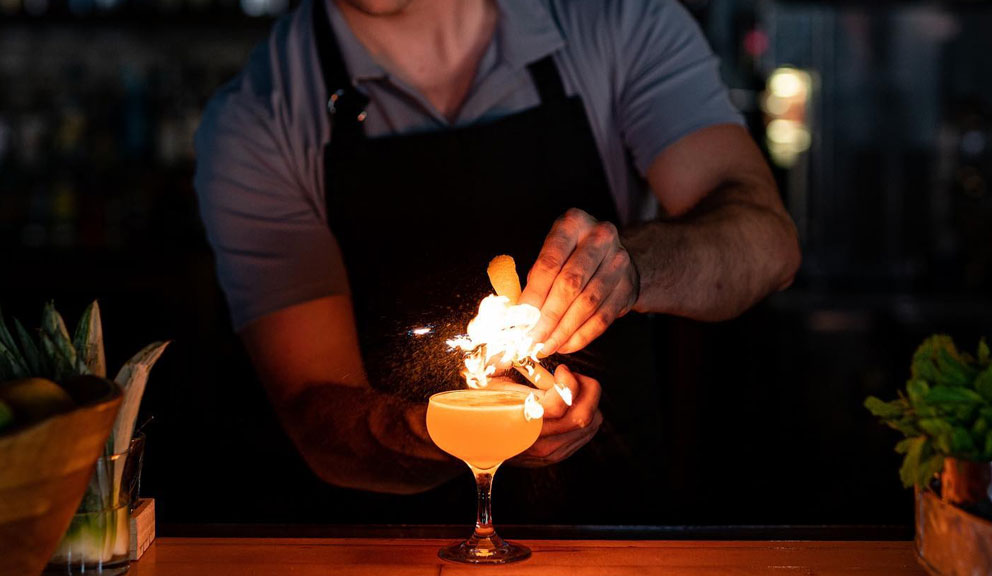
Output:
(723, 242)
(307, 357)
(566, 428)
(582, 281)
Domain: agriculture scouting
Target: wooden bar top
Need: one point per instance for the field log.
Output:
(418, 557)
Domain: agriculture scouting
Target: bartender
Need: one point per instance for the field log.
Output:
(357, 176)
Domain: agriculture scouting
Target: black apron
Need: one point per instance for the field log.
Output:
(419, 216)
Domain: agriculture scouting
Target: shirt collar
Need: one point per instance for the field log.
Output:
(525, 33)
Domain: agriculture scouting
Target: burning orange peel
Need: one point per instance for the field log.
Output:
(500, 333)
(502, 273)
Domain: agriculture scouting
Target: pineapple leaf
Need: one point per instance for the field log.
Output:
(59, 365)
(63, 367)
(16, 367)
(5, 338)
(53, 326)
(13, 367)
(88, 340)
(146, 357)
(32, 357)
(132, 379)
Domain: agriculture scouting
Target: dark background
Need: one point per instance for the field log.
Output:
(763, 422)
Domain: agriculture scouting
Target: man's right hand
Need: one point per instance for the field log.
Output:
(307, 357)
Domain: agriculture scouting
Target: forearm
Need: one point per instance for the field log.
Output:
(358, 438)
(717, 260)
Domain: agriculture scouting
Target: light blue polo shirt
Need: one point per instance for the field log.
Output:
(642, 68)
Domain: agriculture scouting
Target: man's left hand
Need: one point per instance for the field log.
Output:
(565, 428)
(582, 281)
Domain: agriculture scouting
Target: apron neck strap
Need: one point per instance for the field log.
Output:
(546, 78)
(344, 101)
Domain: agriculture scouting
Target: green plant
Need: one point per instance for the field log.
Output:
(945, 411)
(98, 532)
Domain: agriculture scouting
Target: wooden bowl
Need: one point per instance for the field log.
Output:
(45, 471)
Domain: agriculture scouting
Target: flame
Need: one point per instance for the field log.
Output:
(498, 333)
(532, 408)
(529, 364)
(499, 336)
(565, 393)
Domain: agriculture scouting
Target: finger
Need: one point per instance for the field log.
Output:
(556, 448)
(554, 405)
(536, 374)
(616, 304)
(582, 412)
(565, 235)
(575, 275)
(594, 295)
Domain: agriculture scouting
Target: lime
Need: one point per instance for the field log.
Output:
(35, 398)
(6, 415)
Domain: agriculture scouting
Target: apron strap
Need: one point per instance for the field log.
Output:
(545, 74)
(345, 104)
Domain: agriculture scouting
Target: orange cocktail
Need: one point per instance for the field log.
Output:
(484, 428)
(481, 427)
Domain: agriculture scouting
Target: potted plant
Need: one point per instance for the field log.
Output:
(41, 374)
(945, 414)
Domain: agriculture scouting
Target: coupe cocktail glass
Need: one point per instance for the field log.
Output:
(483, 428)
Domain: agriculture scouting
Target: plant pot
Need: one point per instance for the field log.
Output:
(46, 467)
(968, 485)
(951, 541)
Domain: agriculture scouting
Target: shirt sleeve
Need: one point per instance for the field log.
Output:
(271, 244)
(670, 83)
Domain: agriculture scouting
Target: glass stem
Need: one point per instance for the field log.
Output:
(484, 512)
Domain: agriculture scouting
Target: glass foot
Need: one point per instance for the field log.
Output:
(485, 550)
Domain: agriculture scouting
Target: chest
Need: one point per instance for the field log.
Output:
(441, 101)
(445, 83)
